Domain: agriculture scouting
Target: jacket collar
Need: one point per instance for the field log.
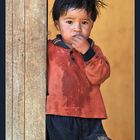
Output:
(58, 41)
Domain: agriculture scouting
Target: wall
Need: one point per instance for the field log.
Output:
(114, 33)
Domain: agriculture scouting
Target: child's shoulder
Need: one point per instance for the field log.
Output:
(93, 44)
(51, 43)
(96, 47)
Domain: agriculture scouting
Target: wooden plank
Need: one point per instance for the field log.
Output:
(9, 109)
(35, 69)
(18, 70)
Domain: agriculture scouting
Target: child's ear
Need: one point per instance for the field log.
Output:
(56, 23)
(92, 24)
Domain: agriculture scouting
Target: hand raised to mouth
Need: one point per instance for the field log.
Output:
(80, 43)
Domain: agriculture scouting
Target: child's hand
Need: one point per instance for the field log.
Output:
(80, 44)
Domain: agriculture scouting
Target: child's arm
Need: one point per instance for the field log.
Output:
(97, 68)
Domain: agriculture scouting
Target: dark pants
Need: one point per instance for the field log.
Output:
(74, 128)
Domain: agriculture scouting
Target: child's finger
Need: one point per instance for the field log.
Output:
(75, 41)
(80, 36)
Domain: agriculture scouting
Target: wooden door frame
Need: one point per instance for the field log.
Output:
(26, 26)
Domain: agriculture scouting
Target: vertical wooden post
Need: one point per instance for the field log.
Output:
(18, 69)
(9, 95)
(25, 69)
(35, 69)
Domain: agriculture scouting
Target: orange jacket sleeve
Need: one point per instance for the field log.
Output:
(97, 68)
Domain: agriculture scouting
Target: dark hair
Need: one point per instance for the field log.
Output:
(61, 7)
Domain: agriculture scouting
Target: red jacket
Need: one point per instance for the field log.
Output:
(74, 84)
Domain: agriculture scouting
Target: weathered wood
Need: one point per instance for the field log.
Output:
(18, 70)
(35, 69)
(9, 96)
(25, 69)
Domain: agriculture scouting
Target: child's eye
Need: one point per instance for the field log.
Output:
(84, 22)
(69, 22)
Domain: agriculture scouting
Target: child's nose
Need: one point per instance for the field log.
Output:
(77, 27)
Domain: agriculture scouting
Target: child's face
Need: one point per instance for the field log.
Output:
(74, 22)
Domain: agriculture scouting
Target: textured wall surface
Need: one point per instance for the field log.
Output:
(114, 33)
(25, 69)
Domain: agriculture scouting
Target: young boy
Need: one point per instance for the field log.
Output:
(76, 70)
